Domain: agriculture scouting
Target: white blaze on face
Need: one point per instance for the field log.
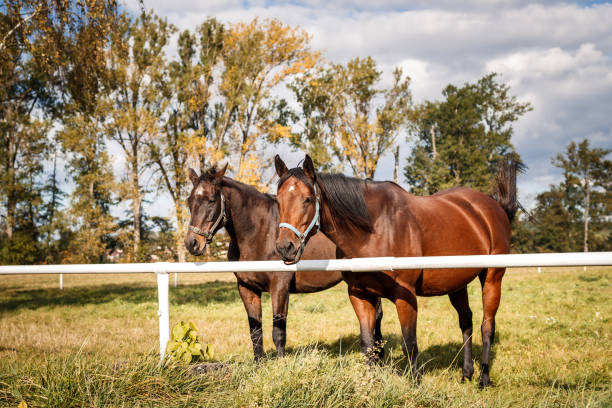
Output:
(291, 188)
(199, 191)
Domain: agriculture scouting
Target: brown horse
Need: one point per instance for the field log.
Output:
(250, 218)
(368, 218)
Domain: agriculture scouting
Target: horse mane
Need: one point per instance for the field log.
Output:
(246, 190)
(343, 194)
(208, 175)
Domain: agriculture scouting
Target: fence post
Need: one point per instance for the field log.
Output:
(163, 309)
(175, 279)
(61, 281)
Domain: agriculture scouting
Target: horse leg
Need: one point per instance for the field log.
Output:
(491, 293)
(407, 313)
(252, 303)
(459, 300)
(279, 293)
(365, 309)
(378, 338)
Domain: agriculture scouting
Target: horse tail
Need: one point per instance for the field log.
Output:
(504, 190)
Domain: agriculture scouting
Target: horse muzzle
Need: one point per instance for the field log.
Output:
(193, 245)
(288, 251)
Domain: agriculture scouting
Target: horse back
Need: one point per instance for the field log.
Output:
(461, 221)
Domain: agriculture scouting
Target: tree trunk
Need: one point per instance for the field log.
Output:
(180, 230)
(10, 212)
(136, 201)
(432, 131)
(396, 169)
(587, 205)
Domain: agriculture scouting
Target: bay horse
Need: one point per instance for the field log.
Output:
(367, 218)
(250, 219)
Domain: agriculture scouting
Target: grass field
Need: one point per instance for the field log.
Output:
(96, 344)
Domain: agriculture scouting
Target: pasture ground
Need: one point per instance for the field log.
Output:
(96, 344)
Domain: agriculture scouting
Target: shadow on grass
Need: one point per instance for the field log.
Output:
(435, 358)
(200, 294)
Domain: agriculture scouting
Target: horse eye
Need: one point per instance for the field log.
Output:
(212, 200)
(308, 200)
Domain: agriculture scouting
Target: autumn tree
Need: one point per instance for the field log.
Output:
(347, 117)
(259, 59)
(135, 103)
(459, 140)
(41, 61)
(187, 84)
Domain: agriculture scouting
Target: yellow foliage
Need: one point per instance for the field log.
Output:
(250, 171)
(259, 57)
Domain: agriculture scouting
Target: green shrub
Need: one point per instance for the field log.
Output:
(185, 344)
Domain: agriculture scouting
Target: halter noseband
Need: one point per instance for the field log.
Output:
(211, 232)
(303, 235)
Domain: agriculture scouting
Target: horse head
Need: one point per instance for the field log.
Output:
(207, 208)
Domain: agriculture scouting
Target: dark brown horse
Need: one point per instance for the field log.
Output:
(368, 218)
(251, 218)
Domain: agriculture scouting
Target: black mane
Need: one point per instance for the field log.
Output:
(343, 195)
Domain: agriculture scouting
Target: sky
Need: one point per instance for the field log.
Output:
(555, 55)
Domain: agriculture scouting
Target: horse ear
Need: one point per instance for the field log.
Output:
(309, 169)
(219, 174)
(280, 166)
(193, 176)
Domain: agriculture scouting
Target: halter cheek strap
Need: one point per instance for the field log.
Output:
(211, 232)
(303, 235)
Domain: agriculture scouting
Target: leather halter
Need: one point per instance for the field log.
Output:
(303, 235)
(211, 232)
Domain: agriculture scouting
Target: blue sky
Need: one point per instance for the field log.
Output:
(555, 55)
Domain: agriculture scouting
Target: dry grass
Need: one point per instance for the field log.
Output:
(553, 346)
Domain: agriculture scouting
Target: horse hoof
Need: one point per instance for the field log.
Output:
(465, 378)
(484, 383)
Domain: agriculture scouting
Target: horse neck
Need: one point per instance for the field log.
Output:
(345, 238)
(245, 206)
(352, 240)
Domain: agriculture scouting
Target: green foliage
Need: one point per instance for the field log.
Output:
(134, 105)
(575, 214)
(460, 139)
(185, 344)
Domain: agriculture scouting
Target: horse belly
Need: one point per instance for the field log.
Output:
(255, 280)
(308, 282)
(435, 282)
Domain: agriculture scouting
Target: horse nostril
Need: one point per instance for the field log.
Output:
(194, 244)
(289, 246)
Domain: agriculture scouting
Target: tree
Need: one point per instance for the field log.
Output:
(135, 102)
(187, 84)
(343, 117)
(460, 140)
(258, 59)
(554, 230)
(88, 163)
(587, 185)
(48, 50)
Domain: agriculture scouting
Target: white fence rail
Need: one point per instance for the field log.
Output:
(162, 269)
